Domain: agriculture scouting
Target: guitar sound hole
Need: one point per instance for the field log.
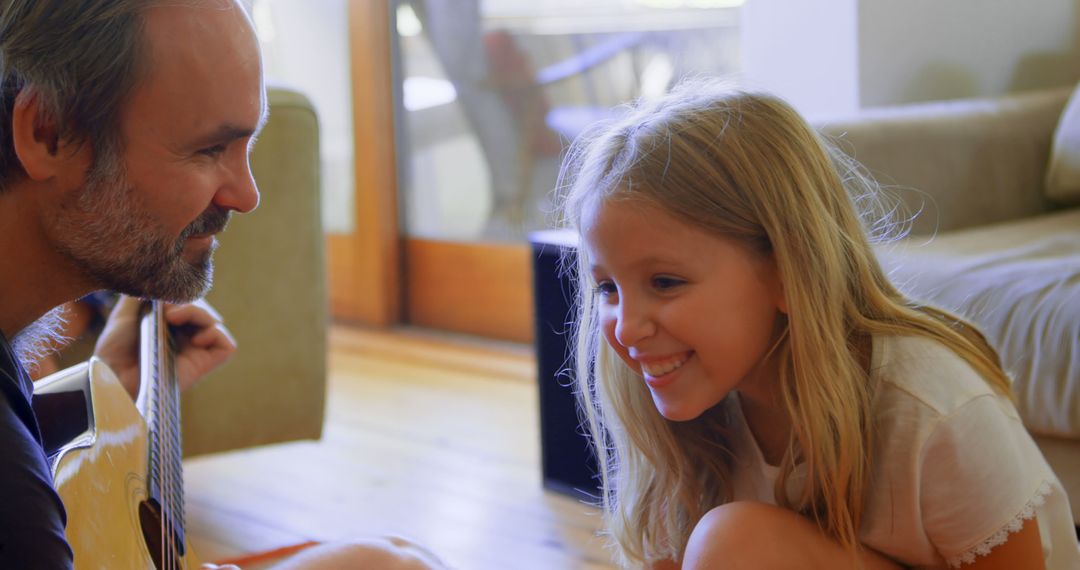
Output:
(150, 519)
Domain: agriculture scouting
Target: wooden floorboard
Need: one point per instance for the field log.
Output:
(428, 436)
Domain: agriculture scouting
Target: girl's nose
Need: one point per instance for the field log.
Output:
(634, 323)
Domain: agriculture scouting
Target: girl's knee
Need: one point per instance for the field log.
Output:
(741, 534)
(756, 535)
(741, 518)
(389, 553)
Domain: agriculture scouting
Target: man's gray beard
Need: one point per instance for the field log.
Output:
(36, 340)
(112, 241)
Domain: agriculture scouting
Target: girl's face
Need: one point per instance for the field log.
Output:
(693, 313)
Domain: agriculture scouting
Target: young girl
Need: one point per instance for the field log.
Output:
(759, 394)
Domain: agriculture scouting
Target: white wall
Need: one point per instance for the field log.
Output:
(306, 46)
(833, 57)
(804, 51)
(921, 50)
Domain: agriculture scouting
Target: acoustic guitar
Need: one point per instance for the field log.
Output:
(116, 465)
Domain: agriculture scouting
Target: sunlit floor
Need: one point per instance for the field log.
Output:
(431, 438)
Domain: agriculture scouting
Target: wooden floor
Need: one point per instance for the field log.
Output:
(427, 437)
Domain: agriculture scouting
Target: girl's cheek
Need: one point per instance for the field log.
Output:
(607, 325)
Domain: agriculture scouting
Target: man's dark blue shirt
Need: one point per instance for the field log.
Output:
(32, 518)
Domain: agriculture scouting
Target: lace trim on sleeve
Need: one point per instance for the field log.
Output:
(1002, 536)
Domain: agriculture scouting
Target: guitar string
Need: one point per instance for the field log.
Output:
(156, 400)
(163, 445)
(165, 375)
(168, 383)
(177, 479)
(164, 453)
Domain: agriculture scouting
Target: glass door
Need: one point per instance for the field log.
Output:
(488, 96)
(443, 126)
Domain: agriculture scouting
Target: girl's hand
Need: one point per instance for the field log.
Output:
(202, 342)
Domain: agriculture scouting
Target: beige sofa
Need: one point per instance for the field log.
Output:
(988, 243)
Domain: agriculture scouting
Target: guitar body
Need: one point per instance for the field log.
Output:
(100, 469)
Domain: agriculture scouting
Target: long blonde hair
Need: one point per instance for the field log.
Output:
(745, 166)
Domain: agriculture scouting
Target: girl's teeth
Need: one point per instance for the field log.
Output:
(657, 369)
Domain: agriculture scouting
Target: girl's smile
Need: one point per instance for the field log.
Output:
(661, 371)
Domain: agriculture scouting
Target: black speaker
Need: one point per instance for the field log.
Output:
(568, 463)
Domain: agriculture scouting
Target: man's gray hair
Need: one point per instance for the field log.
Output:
(81, 59)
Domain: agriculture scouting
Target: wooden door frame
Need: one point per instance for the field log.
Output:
(365, 266)
(377, 276)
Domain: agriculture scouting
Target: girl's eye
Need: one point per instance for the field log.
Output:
(663, 283)
(605, 289)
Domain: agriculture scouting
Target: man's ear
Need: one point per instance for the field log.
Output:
(36, 141)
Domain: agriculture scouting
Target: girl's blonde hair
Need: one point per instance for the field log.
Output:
(745, 166)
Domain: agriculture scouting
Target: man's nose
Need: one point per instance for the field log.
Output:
(239, 193)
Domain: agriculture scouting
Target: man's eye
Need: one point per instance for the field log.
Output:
(213, 151)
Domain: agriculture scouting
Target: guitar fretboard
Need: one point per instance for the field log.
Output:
(160, 404)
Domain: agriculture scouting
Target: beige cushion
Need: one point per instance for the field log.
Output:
(961, 163)
(1063, 174)
(1020, 283)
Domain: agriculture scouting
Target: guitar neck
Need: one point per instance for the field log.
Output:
(159, 403)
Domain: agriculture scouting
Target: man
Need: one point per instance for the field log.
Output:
(125, 129)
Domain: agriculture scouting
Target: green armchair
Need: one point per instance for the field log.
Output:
(270, 286)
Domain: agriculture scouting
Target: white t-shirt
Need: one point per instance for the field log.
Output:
(955, 472)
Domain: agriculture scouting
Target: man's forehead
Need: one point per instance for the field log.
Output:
(201, 36)
(202, 70)
(189, 25)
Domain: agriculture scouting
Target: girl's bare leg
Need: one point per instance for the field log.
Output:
(746, 535)
(376, 554)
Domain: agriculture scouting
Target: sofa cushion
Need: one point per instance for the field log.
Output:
(1063, 173)
(1020, 283)
(960, 163)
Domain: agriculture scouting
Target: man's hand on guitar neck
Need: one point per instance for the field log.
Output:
(202, 342)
